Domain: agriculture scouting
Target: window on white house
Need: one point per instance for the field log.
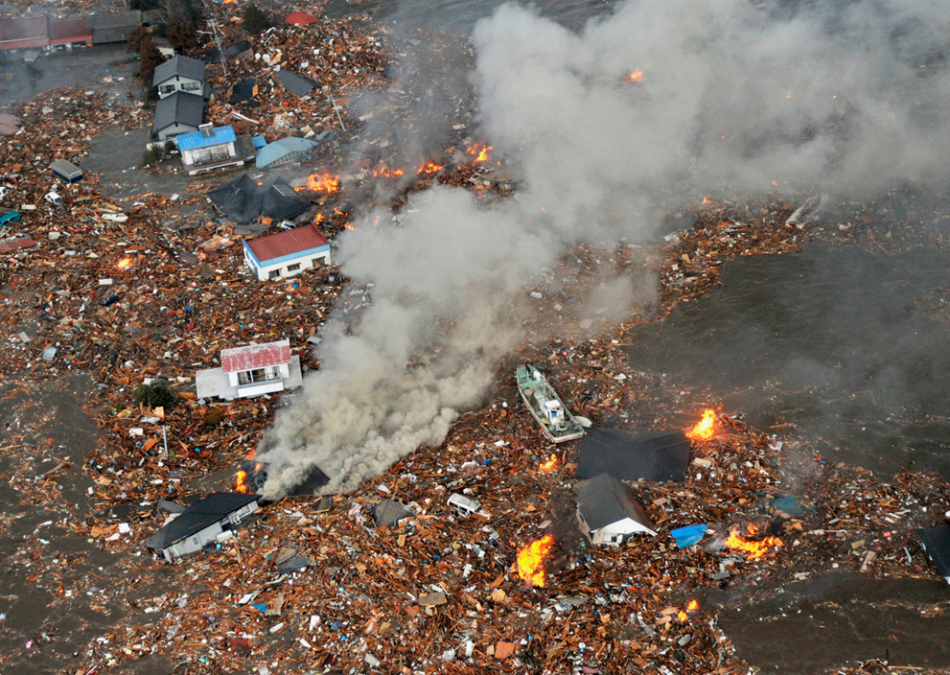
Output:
(190, 86)
(317, 263)
(167, 89)
(258, 375)
(293, 268)
(273, 274)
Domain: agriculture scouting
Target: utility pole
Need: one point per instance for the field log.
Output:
(335, 108)
(217, 39)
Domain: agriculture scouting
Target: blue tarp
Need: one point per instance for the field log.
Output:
(789, 505)
(689, 535)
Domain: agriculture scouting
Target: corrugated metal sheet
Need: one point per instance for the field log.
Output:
(68, 31)
(286, 243)
(23, 33)
(275, 151)
(195, 140)
(255, 356)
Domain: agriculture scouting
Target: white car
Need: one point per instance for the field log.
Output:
(54, 198)
(3, 191)
(114, 217)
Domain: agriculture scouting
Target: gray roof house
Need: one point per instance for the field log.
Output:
(180, 74)
(178, 114)
(202, 524)
(108, 27)
(389, 513)
(608, 512)
(298, 85)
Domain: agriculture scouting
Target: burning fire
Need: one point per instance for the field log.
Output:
(706, 200)
(691, 609)
(752, 548)
(479, 152)
(635, 76)
(550, 464)
(431, 167)
(124, 263)
(350, 227)
(531, 559)
(387, 172)
(705, 428)
(323, 183)
(241, 482)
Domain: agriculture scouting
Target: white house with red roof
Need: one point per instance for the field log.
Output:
(251, 371)
(287, 254)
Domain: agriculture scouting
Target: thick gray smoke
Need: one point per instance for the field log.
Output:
(850, 97)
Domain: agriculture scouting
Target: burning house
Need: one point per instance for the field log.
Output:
(608, 512)
(253, 474)
(203, 524)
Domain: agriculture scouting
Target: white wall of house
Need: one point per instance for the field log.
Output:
(288, 267)
(261, 381)
(613, 534)
(179, 83)
(192, 544)
(175, 129)
(214, 153)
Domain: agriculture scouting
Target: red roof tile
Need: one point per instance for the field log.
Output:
(67, 31)
(255, 356)
(300, 18)
(287, 243)
(23, 33)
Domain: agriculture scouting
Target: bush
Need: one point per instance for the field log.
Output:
(158, 394)
(213, 419)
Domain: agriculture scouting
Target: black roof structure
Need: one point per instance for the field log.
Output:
(210, 510)
(230, 51)
(389, 512)
(244, 201)
(242, 93)
(309, 484)
(633, 455)
(298, 85)
(181, 66)
(937, 542)
(180, 107)
(604, 500)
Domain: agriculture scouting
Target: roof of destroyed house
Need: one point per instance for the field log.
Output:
(937, 542)
(278, 245)
(242, 93)
(196, 139)
(272, 152)
(389, 512)
(630, 454)
(252, 357)
(63, 31)
(16, 244)
(210, 510)
(22, 33)
(604, 500)
(298, 85)
(180, 108)
(181, 66)
(300, 18)
(132, 17)
(244, 201)
(230, 51)
(9, 124)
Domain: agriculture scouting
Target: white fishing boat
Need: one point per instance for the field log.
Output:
(546, 407)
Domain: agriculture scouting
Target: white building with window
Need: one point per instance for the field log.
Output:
(212, 148)
(251, 371)
(180, 74)
(287, 254)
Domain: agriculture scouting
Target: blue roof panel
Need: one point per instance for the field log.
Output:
(195, 140)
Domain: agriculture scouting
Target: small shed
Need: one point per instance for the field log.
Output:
(66, 171)
(252, 370)
(287, 254)
(390, 513)
(285, 150)
(212, 519)
(936, 542)
(608, 512)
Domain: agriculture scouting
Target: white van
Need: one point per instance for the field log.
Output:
(464, 506)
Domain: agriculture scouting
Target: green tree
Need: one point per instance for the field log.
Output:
(256, 20)
(149, 59)
(158, 394)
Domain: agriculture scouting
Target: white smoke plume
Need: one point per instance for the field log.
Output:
(849, 97)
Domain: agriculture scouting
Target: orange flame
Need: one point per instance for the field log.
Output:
(753, 549)
(241, 482)
(705, 428)
(318, 219)
(323, 183)
(635, 76)
(682, 617)
(350, 227)
(387, 172)
(431, 167)
(691, 608)
(480, 152)
(550, 464)
(531, 558)
(124, 263)
(706, 200)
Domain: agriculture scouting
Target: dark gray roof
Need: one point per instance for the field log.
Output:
(180, 65)
(133, 18)
(180, 107)
(242, 93)
(937, 542)
(210, 510)
(244, 201)
(632, 455)
(604, 500)
(389, 512)
(297, 85)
